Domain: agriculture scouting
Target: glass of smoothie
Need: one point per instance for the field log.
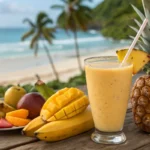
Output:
(108, 89)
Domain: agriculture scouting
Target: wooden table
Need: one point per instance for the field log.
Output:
(135, 139)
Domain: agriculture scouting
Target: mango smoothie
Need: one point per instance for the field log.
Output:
(108, 89)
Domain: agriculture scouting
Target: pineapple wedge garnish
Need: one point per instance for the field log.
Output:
(137, 57)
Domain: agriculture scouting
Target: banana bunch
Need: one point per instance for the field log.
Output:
(63, 115)
(59, 130)
(4, 108)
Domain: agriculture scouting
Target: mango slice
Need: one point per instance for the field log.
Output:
(64, 104)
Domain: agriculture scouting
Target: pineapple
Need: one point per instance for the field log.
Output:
(140, 99)
(140, 94)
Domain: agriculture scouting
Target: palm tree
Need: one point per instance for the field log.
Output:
(75, 15)
(40, 31)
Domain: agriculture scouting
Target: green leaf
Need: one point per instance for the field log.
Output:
(29, 22)
(139, 12)
(46, 21)
(34, 40)
(57, 7)
(145, 41)
(133, 28)
(137, 22)
(28, 34)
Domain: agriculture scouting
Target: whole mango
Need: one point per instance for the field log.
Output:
(33, 102)
(13, 95)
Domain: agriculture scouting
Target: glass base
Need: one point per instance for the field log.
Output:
(108, 138)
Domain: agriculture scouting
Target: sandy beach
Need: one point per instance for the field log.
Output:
(66, 68)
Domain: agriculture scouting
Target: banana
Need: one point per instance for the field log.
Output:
(32, 126)
(4, 108)
(64, 104)
(59, 130)
(43, 89)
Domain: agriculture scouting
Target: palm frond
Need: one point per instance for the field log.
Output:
(46, 21)
(57, 7)
(85, 9)
(50, 31)
(27, 34)
(47, 36)
(62, 20)
(29, 22)
(65, 1)
(34, 40)
(40, 17)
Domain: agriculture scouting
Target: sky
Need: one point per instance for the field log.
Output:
(12, 12)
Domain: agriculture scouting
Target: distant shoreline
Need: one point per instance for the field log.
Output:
(66, 68)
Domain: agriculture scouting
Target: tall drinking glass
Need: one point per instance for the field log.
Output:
(108, 90)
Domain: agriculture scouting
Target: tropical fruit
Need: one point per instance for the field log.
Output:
(33, 102)
(64, 104)
(43, 89)
(62, 129)
(20, 113)
(137, 57)
(32, 126)
(5, 124)
(140, 99)
(13, 95)
(4, 108)
(17, 121)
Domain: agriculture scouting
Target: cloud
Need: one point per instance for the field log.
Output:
(6, 8)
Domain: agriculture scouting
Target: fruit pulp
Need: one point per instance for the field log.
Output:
(108, 89)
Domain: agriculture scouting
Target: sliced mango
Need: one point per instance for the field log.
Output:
(65, 104)
(20, 113)
(17, 121)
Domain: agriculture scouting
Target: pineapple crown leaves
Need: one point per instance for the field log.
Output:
(144, 41)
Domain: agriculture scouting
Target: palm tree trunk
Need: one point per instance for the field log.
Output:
(51, 62)
(77, 50)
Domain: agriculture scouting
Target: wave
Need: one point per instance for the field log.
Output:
(80, 40)
(92, 31)
(64, 41)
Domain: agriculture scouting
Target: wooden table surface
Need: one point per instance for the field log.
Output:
(13, 140)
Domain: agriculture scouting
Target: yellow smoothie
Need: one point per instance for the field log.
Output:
(108, 89)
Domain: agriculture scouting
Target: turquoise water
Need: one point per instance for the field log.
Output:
(92, 41)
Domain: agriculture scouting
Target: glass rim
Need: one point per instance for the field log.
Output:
(101, 58)
(91, 60)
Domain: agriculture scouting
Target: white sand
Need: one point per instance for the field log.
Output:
(66, 69)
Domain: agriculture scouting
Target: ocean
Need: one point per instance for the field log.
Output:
(91, 41)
